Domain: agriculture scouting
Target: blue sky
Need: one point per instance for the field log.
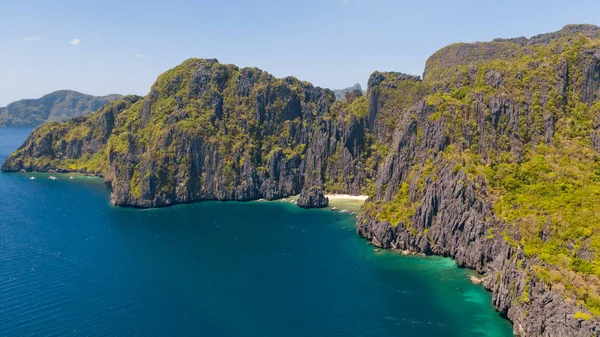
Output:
(102, 47)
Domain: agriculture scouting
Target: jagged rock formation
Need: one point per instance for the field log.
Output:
(57, 106)
(77, 145)
(313, 197)
(209, 131)
(477, 172)
(491, 159)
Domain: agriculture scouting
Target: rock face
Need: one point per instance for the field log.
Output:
(440, 190)
(54, 107)
(499, 49)
(83, 152)
(209, 131)
(488, 159)
(313, 197)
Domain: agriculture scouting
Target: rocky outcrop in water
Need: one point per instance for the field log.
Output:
(313, 197)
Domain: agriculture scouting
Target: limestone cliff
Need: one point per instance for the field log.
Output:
(496, 169)
(209, 131)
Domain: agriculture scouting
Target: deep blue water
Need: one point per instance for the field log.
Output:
(72, 264)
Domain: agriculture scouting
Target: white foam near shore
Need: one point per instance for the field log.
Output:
(347, 197)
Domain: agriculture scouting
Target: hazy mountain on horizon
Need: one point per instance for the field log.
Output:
(57, 106)
(341, 93)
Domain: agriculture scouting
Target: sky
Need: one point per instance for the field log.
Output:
(103, 47)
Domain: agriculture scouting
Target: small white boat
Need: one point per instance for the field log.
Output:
(52, 177)
(71, 177)
(32, 178)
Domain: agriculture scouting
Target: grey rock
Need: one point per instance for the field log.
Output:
(312, 198)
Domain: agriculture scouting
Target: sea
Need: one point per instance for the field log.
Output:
(71, 264)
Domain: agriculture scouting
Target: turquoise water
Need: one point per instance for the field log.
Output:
(71, 264)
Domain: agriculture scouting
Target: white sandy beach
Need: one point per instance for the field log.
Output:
(346, 202)
(347, 197)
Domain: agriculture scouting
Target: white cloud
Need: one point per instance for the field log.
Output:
(31, 39)
(75, 41)
(139, 55)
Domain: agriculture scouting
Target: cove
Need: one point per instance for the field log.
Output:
(72, 264)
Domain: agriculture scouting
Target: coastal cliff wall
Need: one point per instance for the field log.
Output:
(474, 170)
(209, 131)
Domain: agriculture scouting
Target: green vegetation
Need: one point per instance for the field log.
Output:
(201, 112)
(582, 315)
(400, 209)
(66, 146)
(544, 183)
(395, 96)
(556, 190)
(135, 184)
(547, 191)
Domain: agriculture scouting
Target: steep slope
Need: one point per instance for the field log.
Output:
(57, 106)
(499, 170)
(211, 131)
(491, 159)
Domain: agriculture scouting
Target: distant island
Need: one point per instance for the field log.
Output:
(57, 106)
(492, 158)
(340, 94)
